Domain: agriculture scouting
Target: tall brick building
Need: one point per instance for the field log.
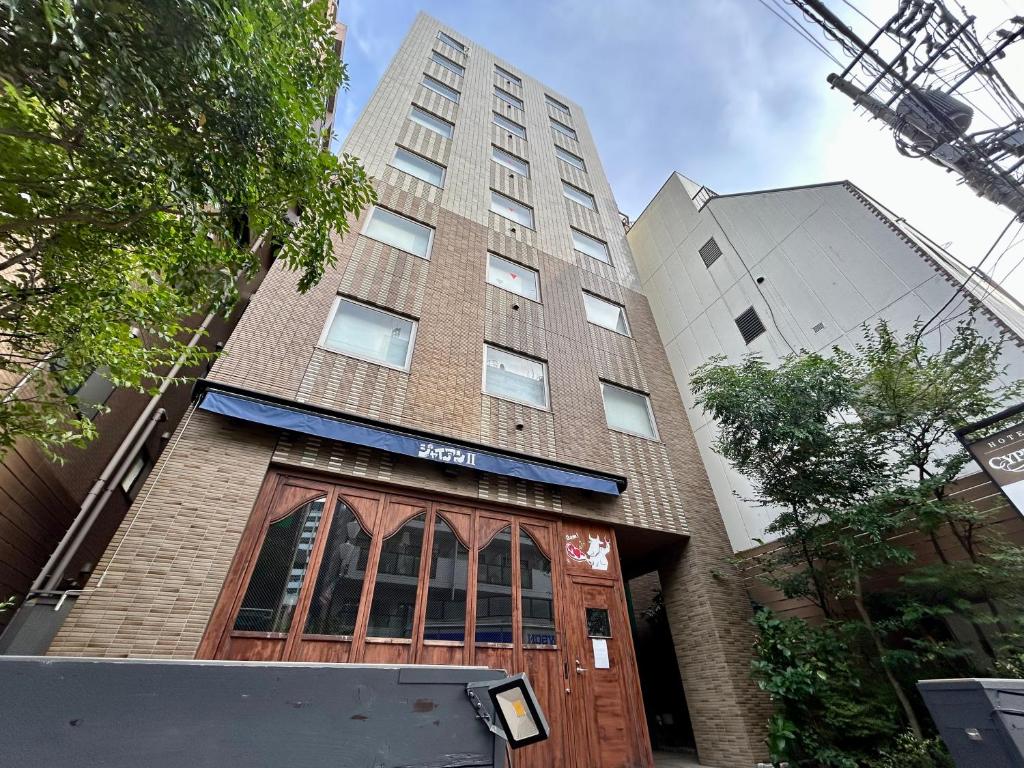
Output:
(457, 448)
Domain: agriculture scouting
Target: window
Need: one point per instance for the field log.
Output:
(451, 41)
(710, 252)
(507, 75)
(399, 232)
(432, 121)
(511, 209)
(591, 246)
(92, 393)
(447, 63)
(494, 590)
(394, 593)
(339, 583)
(358, 330)
(628, 411)
(570, 158)
(446, 590)
(510, 161)
(281, 565)
(438, 87)
(606, 314)
(565, 130)
(556, 104)
(513, 277)
(133, 477)
(508, 125)
(750, 325)
(418, 166)
(536, 593)
(508, 98)
(577, 195)
(514, 377)
(598, 624)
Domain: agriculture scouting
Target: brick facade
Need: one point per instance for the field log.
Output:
(175, 547)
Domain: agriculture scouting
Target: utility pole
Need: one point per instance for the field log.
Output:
(915, 68)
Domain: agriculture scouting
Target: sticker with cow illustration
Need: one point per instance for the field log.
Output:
(595, 554)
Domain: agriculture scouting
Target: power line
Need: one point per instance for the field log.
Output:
(991, 282)
(963, 285)
(786, 19)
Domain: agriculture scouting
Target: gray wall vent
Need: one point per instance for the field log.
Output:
(750, 325)
(710, 252)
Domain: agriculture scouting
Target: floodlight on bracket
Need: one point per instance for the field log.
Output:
(511, 710)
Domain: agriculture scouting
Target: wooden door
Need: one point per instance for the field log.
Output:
(604, 701)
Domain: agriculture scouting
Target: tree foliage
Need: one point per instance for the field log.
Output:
(856, 450)
(144, 145)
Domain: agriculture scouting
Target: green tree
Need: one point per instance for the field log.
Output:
(144, 146)
(855, 450)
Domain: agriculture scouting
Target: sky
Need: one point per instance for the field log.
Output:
(719, 90)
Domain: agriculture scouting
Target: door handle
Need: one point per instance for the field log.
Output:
(579, 670)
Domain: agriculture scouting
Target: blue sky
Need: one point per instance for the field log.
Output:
(719, 90)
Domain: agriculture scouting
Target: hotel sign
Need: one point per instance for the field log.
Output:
(1001, 456)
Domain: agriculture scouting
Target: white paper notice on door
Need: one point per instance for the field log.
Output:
(600, 653)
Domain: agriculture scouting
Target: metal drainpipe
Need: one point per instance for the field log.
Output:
(53, 572)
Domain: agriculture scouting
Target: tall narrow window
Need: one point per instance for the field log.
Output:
(339, 583)
(512, 127)
(280, 571)
(398, 573)
(446, 593)
(537, 594)
(448, 64)
(431, 121)
(494, 590)
(440, 88)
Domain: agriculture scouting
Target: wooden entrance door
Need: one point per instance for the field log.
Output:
(604, 699)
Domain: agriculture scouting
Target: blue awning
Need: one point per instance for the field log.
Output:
(299, 418)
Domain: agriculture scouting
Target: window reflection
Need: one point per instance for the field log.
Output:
(446, 595)
(280, 571)
(494, 590)
(394, 594)
(537, 594)
(339, 584)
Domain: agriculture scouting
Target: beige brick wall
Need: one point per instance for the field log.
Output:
(165, 567)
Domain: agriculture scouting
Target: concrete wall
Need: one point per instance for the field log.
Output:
(830, 264)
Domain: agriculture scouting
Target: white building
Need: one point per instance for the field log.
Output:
(789, 269)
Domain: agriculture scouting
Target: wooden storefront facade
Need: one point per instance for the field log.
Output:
(329, 572)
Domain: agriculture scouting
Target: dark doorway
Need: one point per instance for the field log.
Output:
(668, 719)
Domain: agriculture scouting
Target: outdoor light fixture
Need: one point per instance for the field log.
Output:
(514, 706)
